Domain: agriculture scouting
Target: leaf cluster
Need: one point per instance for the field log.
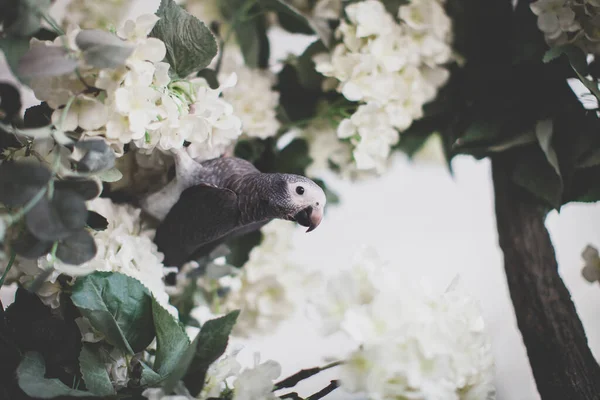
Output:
(511, 96)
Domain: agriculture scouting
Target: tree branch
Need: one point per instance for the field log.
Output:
(293, 380)
(561, 361)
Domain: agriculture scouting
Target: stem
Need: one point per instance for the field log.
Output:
(293, 380)
(11, 261)
(325, 391)
(561, 361)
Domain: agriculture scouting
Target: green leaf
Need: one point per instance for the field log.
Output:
(190, 44)
(576, 56)
(171, 340)
(250, 31)
(118, 306)
(23, 18)
(294, 158)
(211, 344)
(534, 173)
(149, 377)
(94, 372)
(544, 132)
(319, 26)
(14, 49)
(307, 74)
(241, 246)
(30, 375)
(590, 160)
(102, 49)
(43, 60)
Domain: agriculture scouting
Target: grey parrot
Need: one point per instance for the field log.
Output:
(208, 202)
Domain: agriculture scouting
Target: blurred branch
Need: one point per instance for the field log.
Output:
(293, 380)
(561, 361)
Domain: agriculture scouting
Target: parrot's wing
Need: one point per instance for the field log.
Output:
(239, 231)
(203, 214)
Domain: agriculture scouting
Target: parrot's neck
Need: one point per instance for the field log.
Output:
(261, 197)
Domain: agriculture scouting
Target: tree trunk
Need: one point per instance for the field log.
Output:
(562, 363)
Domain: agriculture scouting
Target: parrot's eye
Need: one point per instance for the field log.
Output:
(299, 190)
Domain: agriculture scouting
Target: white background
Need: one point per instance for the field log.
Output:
(429, 224)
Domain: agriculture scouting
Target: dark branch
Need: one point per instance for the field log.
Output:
(293, 380)
(561, 361)
(291, 395)
(325, 391)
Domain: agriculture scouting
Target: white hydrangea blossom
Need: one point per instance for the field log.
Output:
(253, 99)
(257, 383)
(93, 14)
(125, 247)
(325, 149)
(391, 68)
(264, 288)
(569, 21)
(138, 102)
(414, 343)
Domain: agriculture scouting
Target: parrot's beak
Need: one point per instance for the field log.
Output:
(309, 217)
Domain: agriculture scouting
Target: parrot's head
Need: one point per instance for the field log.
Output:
(306, 201)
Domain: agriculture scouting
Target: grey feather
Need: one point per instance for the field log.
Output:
(225, 197)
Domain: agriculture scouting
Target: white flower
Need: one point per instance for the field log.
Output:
(555, 17)
(265, 286)
(85, 112)
(218, 372)
(370, 18)
(389, 68)
(427, 16)
(414, 342)
(220, 126)
(372, 134)
(117, 369)
(126, 248)
(325, 149)
(257, 383)
(252, 98)
(181, 393)
(92, 14)
(591, 269)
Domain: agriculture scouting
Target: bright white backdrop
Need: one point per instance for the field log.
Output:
(428, 224)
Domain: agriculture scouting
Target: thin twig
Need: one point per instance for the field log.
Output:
(291, 395)
(11, 261)
(325, 391)
(293, 380)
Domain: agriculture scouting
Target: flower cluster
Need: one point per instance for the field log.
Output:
(253, 99)
(124, 247)
(415, 343)
(569, 21)
(392, 69)
(254, 383)
(264, 290)
(327, 151)
(138, 102)
(92, 14)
